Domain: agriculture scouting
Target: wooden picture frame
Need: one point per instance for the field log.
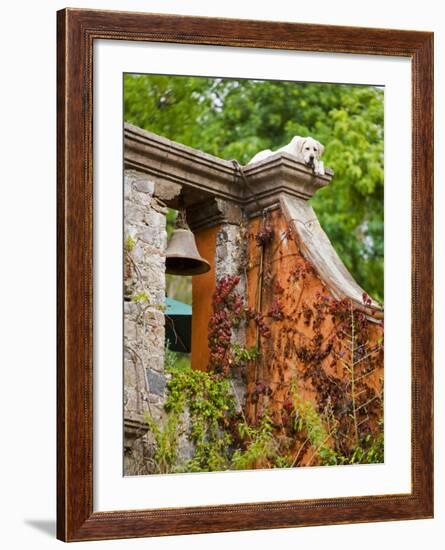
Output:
(76, 32)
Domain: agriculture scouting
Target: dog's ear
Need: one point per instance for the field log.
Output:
(320, 149)
(299, 143)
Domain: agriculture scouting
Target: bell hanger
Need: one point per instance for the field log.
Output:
(182, 255)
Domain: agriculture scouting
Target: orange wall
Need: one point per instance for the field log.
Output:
(276, 366)
(279, 366)
(203, 287)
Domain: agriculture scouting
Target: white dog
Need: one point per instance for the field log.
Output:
(305, 149)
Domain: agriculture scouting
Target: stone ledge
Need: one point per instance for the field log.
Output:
(280, 173)
(203, 177)
(134, 427)
(168, 162)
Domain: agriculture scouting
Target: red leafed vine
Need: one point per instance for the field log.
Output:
(228, 311)
(305, 341)
(338, 353)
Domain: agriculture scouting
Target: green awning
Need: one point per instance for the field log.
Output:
(178, 325)
(174, 307)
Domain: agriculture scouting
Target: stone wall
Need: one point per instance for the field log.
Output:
(230, 259)
(144, 296)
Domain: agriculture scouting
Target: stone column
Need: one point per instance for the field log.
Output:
(144, 296)
(230, 259)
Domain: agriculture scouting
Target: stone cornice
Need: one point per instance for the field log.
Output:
(134, 426)
(167, 161)
(204, 177)
(280, 173)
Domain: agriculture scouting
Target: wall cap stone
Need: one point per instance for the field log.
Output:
(318, 250)
(202, 177)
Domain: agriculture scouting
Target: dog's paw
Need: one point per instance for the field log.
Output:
(319, 169)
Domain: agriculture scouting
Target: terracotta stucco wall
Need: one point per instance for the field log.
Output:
(203, 287)
(289, 301)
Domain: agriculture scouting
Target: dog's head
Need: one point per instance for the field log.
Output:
(309, 150)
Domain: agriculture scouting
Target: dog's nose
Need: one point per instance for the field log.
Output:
(311, 157)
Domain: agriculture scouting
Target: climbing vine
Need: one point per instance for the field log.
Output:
(337, 355)
(324, 408)
(228, 311)
(221, 437)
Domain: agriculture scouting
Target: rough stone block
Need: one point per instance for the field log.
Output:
(131, 308)
(134, 214)
(152, 236)
(144, 186)
(142, 199)
(156, 382)
(155, 219)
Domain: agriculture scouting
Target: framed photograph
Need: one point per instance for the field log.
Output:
(245, 228)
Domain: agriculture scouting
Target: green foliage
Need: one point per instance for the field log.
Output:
(179, 288)
(171, 221)
(213, 420)
(310, 423)
(322, 431)
(166, 434)
(129, 244)
(244, 355)
(170, 358)
(210, 402)
(237, 118)
(140, 297)
(261, 447)
(369, 451)
(166, 442)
